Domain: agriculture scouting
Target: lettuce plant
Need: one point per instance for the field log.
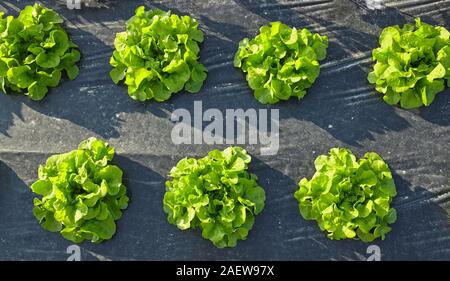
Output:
(82, 193)
(34, 51)
(412, 64)
(215, 194)
(349, 198)
(158, 55)
(281, 62)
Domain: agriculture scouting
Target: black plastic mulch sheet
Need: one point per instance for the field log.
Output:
(341, 109)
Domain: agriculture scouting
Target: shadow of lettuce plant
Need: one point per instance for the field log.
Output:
(34, 50)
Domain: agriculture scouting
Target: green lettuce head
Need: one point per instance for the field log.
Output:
(82, 193)
(281, 62)
(215, 194)
(158, 55)
(349, 198)
(34, 52)
(412, 64)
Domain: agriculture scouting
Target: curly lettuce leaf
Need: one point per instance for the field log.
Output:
(157, 55)
(281, 62)
(349, 198)
(34, 51)
(82, 193)
(215, 194)
(412, 64)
